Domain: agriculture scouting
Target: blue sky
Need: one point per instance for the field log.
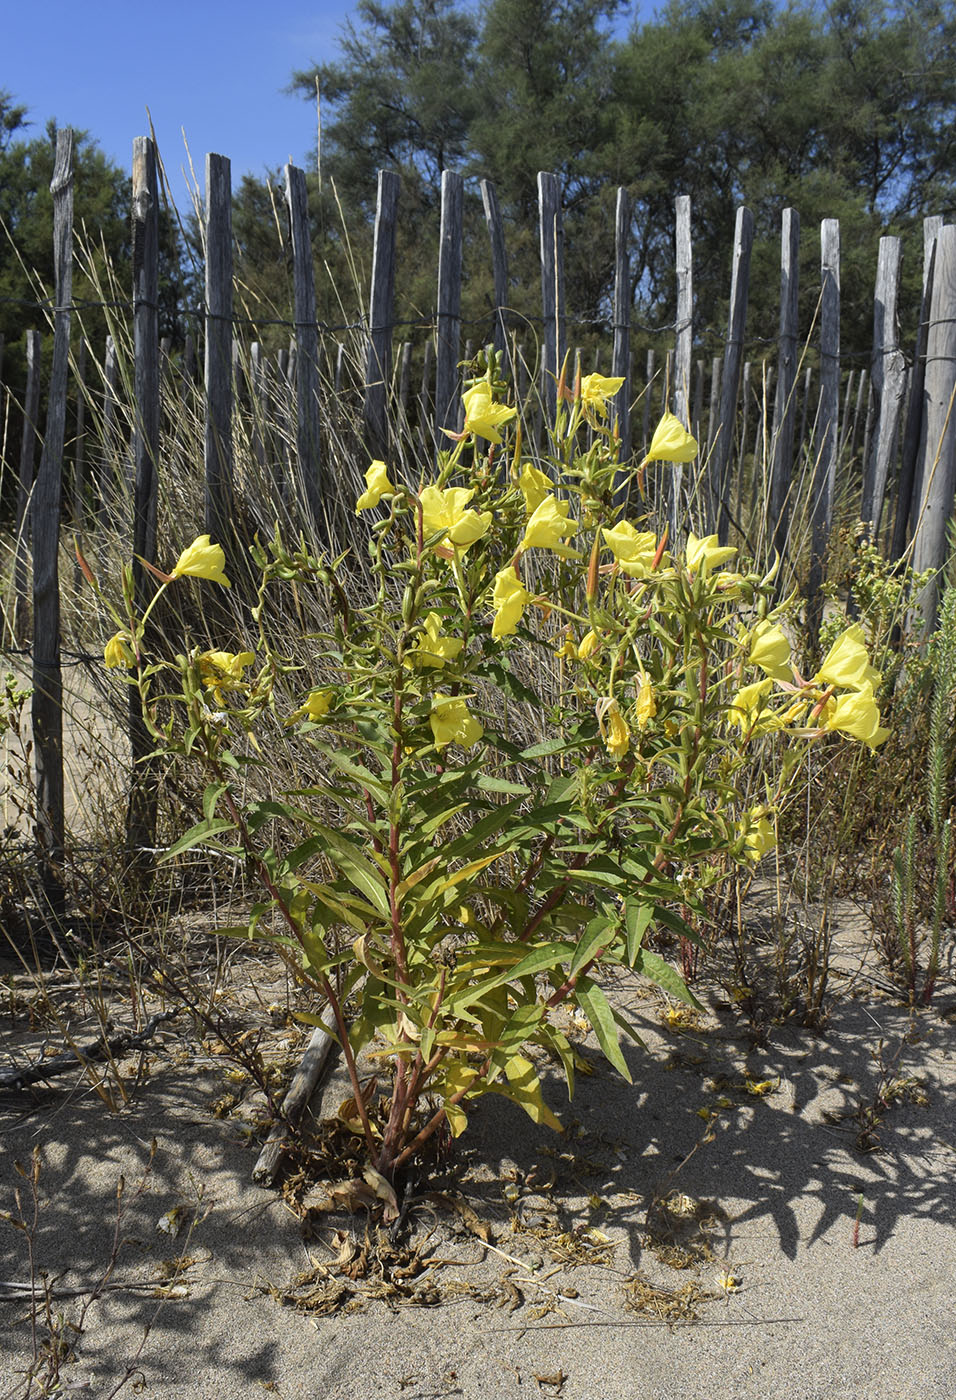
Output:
(216, 70)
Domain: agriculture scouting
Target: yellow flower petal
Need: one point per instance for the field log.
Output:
(483, 416)
(548, 525)
(510, 599)
(377, 485)
(614, 730)
(646, 707)
(596, 389)
(770, 650)
(445, 510)
(451, 722)
(202, 559)
(118, 652)
(433, 649)
(847, 664)
(856, 714)
(671, 442)
(703, 556)
(534, 486)
(633, 549)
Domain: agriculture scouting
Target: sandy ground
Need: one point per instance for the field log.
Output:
(758, 1193)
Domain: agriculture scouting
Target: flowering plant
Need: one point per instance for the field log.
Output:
(524, 753)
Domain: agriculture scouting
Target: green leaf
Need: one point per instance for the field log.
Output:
(490, 784)
(597, 1009)
(524, 1088)
(599, 933)
(548, 747)
(637, 918)
(202, 831)
(649, 965)
(210, 797)
(467, 871)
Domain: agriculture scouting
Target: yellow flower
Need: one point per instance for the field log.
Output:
(770, 650)
(433, 649)
(671, 442)
(705, 555)
(646, 707)
(595, 392)
(590, 643)
(846, 664)
(747, 710)
(377, 485)
(510, 600)
(534, 485)
(220, 671)
(856, 714)
(757, 831)
(633, 549)
(482, 415)
(547, 526)
(445, 510)
(117, 651)
(614, 730)
(316, 707)
(452, 723)
(202, 560)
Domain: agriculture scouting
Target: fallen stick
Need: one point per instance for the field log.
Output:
(94, 1052)
(297, 1096)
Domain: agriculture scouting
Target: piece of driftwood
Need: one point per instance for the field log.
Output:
(95, 1051)
(297, 1096)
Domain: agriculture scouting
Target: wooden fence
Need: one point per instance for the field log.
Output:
(768, 427)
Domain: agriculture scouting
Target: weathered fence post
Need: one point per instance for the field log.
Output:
(28, 446)
(218, 454)
(378, 362)
(939, 433)
(730, 382)
(308, 449)
(142, 809)
(829, 415)
(784, 408)
(551, 233)
(620, 406)
(47, 705)
(449, 305)
(499, 267)
(908, 486)
(683, 344)
(888, 381)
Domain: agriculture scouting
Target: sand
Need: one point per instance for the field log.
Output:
(817, 1271)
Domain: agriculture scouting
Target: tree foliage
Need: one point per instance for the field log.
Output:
(846, 110)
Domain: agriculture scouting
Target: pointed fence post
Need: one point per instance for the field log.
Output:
(784, 408)
(218, 453)
(683, 347)
(620, 405)
(308, 448)
(828, 423)
(551, 232)
(142, 808)
(908, 486)
(499, 268)
(888, 380)
(730, 383)
(447, 377)
(378, 360)
(47, 700)
(939, 434)
(28, 445)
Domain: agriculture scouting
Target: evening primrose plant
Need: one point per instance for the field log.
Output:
(444, 885)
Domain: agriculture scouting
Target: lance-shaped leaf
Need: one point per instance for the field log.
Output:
(597, 1009)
